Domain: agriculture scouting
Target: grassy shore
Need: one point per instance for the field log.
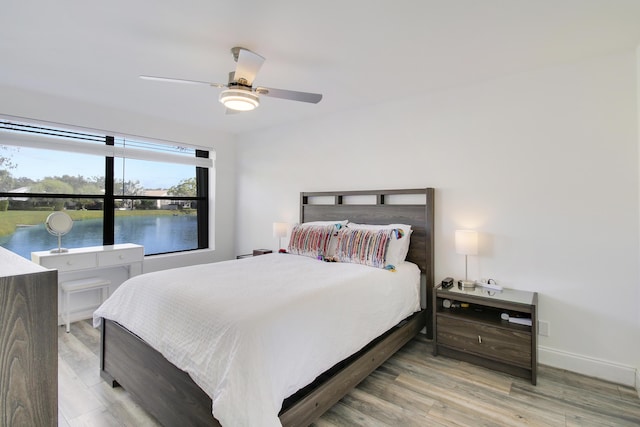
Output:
(10, 220)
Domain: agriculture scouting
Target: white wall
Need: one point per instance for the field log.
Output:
(543, 164)
(40, 106)
(638, 288)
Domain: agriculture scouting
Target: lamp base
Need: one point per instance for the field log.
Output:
(466, 284)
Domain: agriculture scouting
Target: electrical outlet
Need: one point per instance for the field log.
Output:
(543, 328)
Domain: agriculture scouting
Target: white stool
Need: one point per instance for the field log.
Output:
(82, 285)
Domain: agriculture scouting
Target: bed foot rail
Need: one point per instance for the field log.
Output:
(318, 401)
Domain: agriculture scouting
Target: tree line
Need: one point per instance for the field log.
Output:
(77, 185)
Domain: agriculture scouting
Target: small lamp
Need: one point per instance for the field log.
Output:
(467, 244)
(280, 230)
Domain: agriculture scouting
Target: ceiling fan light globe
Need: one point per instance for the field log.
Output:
(239, 100)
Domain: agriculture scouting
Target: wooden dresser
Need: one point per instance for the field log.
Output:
(28, 343)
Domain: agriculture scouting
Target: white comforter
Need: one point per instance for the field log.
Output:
(252, 332)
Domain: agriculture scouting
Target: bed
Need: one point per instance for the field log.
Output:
(176, 399)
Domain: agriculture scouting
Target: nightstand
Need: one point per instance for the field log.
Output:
(256, 252)
(472, 325)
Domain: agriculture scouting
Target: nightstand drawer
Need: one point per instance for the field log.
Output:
(70, 262)
(120, 256)
(497, 343)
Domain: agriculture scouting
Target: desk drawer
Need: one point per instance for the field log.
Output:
(69, 262)
(498, 343)
(120, 256)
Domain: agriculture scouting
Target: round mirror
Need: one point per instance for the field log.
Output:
(59, 224)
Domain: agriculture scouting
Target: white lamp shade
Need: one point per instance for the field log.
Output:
(280, 229)
(466, 242)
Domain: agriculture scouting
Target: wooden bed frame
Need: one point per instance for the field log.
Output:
(171, 396)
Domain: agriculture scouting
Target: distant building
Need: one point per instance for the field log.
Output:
(160, 204)
(20, 190)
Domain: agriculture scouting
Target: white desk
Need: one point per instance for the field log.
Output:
(93, 261)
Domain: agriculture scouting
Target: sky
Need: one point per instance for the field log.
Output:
(37, 164)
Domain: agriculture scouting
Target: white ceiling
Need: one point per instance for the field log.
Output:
(355, 52)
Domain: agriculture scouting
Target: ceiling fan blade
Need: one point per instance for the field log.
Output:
(293, 95)
(172, 80)
(248, 65)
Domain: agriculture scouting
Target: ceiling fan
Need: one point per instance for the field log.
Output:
(240, 95)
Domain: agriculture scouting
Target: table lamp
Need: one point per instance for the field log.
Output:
(467, 244)
(280, 230)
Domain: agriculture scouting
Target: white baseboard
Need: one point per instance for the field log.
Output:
(597, 368)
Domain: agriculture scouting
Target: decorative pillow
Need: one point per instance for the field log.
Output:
(311, 240)
(334, 240)
(362, 246)
(400, 239)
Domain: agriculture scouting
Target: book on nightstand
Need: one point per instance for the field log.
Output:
(518, 320)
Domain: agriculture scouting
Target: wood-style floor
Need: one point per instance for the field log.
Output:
(413, 388)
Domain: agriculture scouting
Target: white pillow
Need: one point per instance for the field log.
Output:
(341, 222)
(399, 243)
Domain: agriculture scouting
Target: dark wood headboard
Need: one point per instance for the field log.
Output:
(410, 206)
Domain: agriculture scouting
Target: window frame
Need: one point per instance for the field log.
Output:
(109, 197)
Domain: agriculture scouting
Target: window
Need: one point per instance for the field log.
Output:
(116, 188)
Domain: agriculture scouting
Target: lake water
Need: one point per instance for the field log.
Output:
(158, 234)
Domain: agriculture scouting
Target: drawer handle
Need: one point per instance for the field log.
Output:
(121, 256)
(479, 339)
(69, 263)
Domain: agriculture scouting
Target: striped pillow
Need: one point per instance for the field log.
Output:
(361, 246)
(311, 240)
